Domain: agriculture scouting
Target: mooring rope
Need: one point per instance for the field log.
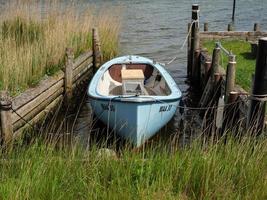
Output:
(23, 119)
(261, 98)
(186, 39)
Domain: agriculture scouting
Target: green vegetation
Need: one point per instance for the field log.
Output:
(245, 63)
(33, 40)
(231, 170)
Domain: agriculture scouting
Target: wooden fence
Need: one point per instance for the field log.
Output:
(36, 103)
(215, 82)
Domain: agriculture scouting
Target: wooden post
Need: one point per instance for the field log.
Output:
(207, 71)
(230, 76)
(231, 112)
(230, 27)
(196, 67)
(194, 41)
(68, 75)
(189, 64)
(206, 27)
(97, 56)
(215, 61)
(194, 34)
(259, 92)
(256, 27)
(233, 13)
(6, 121)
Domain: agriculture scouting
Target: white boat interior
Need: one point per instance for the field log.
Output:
(133, 79)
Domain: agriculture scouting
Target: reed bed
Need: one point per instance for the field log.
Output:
(35, 34)
(235, 169)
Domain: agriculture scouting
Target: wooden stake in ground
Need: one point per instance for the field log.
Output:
(259, 92)
(69, 74)
(97, 56)
(6, 120)
(230, 76)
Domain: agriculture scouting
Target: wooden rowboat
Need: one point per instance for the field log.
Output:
(134, 96)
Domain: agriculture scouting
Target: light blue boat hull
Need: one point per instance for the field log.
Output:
(136, 122)
(135, 118)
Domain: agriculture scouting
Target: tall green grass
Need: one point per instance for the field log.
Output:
(231, 170)
(34, 35)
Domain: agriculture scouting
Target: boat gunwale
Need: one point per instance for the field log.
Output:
(175, 94)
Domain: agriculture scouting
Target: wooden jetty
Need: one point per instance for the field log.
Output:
(204, 70)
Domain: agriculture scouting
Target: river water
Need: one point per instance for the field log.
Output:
(157, 29)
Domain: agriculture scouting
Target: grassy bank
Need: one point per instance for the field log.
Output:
(245, 63)
(35, 34)
(235, 170)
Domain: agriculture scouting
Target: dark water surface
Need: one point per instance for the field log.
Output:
(158, 28)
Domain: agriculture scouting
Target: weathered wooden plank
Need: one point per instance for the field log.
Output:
(75, 78)
(82, 58)
(21, 122)
(22, 111)
(32, 93)
(83, 78)
(84, 65)
(251, 35)
(40, 116)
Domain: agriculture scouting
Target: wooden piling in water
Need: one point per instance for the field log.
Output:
(259, 93)
(97, 56)
(230, 27)
(256, 27)
(194, 38)
(195, 43)
(6, 120)
(68, 79)
(189, 64)
(233, 13)
(206, 27)
(230, 76)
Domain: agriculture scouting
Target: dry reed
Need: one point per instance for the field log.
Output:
(34, 36)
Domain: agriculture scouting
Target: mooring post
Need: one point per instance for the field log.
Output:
(259, 92)
(206, 27)
(230, 76)
(6, 120)
(97, 56)
(233, 13)
(69, 74)
(189, 64)
(230, 27)
(207, 71)
(215, 61)
(231, 113)
(256, 27)
(195, 42)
